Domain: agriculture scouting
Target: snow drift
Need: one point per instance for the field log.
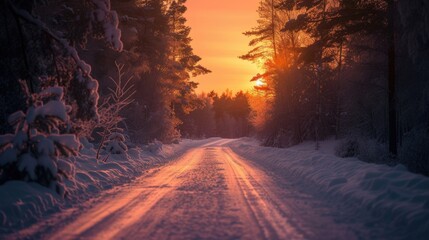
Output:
(391, 193)
(23, 203)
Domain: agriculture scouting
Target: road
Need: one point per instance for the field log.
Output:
(208, 193)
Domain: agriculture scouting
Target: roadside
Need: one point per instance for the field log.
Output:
(392, 194)
(23, 204)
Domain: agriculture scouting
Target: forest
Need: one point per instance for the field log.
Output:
(105, 132)
(120, 73)
(355, 70)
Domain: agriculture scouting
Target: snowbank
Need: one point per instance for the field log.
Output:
(22, 203)
(391, 193)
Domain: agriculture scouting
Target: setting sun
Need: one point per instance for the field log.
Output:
(259, 83)
(214, 119)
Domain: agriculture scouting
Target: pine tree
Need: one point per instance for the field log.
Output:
(58, 83)
(33, 152)
(162, 56)
(49, 46)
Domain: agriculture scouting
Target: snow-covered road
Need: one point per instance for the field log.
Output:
(210, 193)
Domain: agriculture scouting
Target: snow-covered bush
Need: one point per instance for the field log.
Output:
(347, 148)
(115, 143)
(32, 152)
(112, 138)
(368, 150)
(155, 146)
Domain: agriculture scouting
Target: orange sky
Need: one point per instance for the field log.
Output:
(217, 27)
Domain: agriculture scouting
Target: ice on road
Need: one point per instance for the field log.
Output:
(209, 193)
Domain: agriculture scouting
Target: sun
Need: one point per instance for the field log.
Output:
(260, 82)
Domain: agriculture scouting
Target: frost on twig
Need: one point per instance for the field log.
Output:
(121, 95)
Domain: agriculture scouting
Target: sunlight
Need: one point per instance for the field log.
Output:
(260, 82)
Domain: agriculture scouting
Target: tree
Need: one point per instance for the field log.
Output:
(231, 114)
(48, 46)
(185, 62)
(59, 88)
(162, 56)
(32, 152)
(333, 27)
(277, 51)
(120, 97)
(199, 123)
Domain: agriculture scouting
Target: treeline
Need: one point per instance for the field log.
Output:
(226, 115)
(352, 69)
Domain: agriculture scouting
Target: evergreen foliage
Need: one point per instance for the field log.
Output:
(33, 151)
(351, 69)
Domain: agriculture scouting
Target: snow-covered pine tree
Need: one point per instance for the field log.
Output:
(46, 38)
(32, 153)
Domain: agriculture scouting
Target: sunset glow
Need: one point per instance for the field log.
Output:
(217, 28)
(259, 83)
(214, 119)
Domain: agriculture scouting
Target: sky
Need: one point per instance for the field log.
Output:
(217, 33)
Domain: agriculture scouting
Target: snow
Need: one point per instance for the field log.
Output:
(46, 162)
(24, 203)
(392, 193)
(6, 139)
(58, 91)
(20, 138)
(85, 143)
(52, 108)
(102, 4)
(92, 85)
(112, 33)
(15, 118)
(116, 147)
(22, 200)
(68, 140)
(115, 143)
(117, 136)
(46, 146)
(28, 163)
(110, 21)
(8, 156)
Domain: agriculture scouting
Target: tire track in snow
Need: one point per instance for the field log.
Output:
(257, 203)
(106, 219)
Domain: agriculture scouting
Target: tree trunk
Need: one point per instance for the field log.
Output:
(393, 146)
(273, 26)
(338, 113)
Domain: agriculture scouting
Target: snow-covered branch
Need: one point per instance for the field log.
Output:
(24, 15)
